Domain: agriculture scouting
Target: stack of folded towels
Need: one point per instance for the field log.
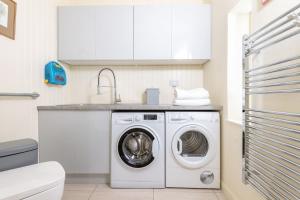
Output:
(194, 97)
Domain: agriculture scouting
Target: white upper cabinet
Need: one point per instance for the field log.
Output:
(93, 34)
(191, 32)
(114, 33)
(152, 32)
(160, 34)
(76, 33)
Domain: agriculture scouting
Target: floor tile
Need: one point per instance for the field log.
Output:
(186, 194)
(119, 194)
(106, 187)
(220, 196)
(80, 187)
(103, 191)
(76, 195)
(102, 187)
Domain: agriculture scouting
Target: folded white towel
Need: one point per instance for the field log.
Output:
(198, 93)
(192, 102)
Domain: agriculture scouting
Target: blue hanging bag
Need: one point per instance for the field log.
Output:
(55, 74)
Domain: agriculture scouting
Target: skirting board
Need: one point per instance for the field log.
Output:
(87, 178)
(228, 193)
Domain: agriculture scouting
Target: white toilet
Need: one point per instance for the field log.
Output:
(43, 181)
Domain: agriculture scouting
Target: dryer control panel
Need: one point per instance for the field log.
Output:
(184, 117)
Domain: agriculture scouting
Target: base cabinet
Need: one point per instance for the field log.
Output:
(79, 140)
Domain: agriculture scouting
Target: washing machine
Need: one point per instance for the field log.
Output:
(138, 150)
(193, 149)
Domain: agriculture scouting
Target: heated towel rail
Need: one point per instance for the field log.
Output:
(271, 137)
(33, 95)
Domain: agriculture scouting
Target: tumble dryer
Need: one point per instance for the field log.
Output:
(138, 150)
(193, 149)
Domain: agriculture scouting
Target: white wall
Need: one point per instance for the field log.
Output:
(215, 79)
(22, 62)
(132, 82)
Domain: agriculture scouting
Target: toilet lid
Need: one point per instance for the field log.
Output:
(27, 181)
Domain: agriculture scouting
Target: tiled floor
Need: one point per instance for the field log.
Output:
(104, 192)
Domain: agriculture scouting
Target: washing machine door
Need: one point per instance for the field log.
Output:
(138, 147)
(193, 146)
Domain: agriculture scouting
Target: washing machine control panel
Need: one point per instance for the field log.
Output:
(150, 117)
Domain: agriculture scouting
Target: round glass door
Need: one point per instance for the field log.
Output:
(136, 147)
(193, 146)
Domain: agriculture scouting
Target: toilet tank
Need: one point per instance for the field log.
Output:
(18, 153)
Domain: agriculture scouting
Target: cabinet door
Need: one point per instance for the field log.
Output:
(79, 140)
(191, 32)
(76, 33)
(114, 32)
(152, 32)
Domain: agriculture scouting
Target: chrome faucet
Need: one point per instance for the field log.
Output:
(116, 99)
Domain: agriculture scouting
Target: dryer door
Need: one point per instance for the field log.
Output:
(138, 147)
(193, 146)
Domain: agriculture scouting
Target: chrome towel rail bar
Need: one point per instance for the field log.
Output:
(273, 112)
(271, 191)
(252, 50)
(275, 133)
(268, 125)
(285, 194)
(287, 163)
(269, 78)
(270, 176)
(272, 64)
(276, 189)
(278, 69)
(33, 95)
(287, 83)
(272, 22)
(259, 42)
(262, 117)
(267, 161)
(271, 138)
(260, 189)
(276, 31)
(275, 91)
(261, 140)
(277, 180)
(254, 142)
(275, 171)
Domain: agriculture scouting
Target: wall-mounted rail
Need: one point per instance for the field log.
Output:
(285, 26)
(33, 95)
(271, 138)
